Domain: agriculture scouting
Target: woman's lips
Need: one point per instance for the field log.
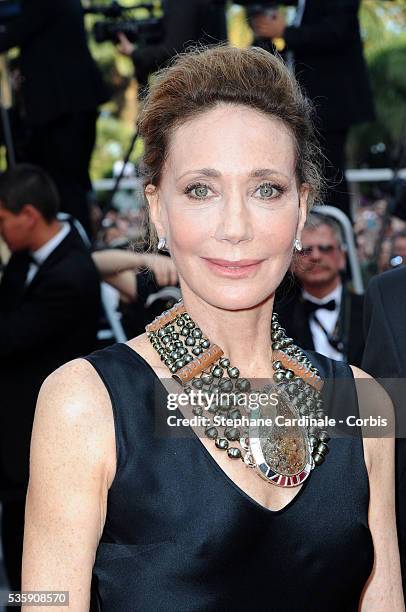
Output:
(233, 269)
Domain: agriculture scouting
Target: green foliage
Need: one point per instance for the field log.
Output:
(113, 138)
(383, 24)
(386, 54)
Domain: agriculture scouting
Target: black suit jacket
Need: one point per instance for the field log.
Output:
(294, 319)
(59, 74)
(385, 358)
(329, 62)
(42, 326)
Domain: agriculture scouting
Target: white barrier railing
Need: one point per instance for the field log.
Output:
(373, 175)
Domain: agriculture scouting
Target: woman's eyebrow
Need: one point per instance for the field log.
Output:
(212, 173)
(262, 172)
(209, 172)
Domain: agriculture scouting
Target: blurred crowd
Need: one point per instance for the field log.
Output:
(367, 229)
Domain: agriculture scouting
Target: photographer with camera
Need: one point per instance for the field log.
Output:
(184, 22)
(324, 40)
(61, 90)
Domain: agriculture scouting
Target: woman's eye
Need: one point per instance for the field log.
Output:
(197, 191)
(267, 190)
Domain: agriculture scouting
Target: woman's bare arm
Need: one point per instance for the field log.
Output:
(383, 590)
(126, 283)
(113, 261)
(72, 466)
(118, 268)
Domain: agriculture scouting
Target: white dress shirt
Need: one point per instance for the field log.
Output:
(328, 319)
(41, 254)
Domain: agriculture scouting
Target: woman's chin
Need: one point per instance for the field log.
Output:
(236, 299)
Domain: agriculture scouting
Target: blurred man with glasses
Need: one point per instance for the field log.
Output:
(323, 314)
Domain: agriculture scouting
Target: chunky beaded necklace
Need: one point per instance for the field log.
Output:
(199, 365)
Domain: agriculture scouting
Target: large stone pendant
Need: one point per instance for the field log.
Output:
(280, 449)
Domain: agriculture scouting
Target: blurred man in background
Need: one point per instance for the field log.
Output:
(185, 22)
(325, 47)
(323, 315)
(49, 308)
(61, 89)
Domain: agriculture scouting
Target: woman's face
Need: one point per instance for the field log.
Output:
(229, 206)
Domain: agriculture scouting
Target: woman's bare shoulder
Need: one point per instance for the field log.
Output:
(358, 373)
(75, 390)
(375, 403)
(74, 410)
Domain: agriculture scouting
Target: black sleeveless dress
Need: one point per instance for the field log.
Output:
(180, 536)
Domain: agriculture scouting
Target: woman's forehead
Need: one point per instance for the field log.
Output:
(233, 140)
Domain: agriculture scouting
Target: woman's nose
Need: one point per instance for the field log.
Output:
(235, 223)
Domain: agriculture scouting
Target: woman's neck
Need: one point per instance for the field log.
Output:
(243, 335)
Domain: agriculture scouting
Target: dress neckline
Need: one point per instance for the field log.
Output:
(209, 456)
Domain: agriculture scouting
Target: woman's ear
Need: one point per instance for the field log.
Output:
(155, 209)
(304, 192)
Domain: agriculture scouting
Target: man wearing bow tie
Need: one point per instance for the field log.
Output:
(49, 306)
(323, 314)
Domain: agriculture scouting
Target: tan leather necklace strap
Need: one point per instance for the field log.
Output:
(199, 364)
(290, 363)
(166, 317)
